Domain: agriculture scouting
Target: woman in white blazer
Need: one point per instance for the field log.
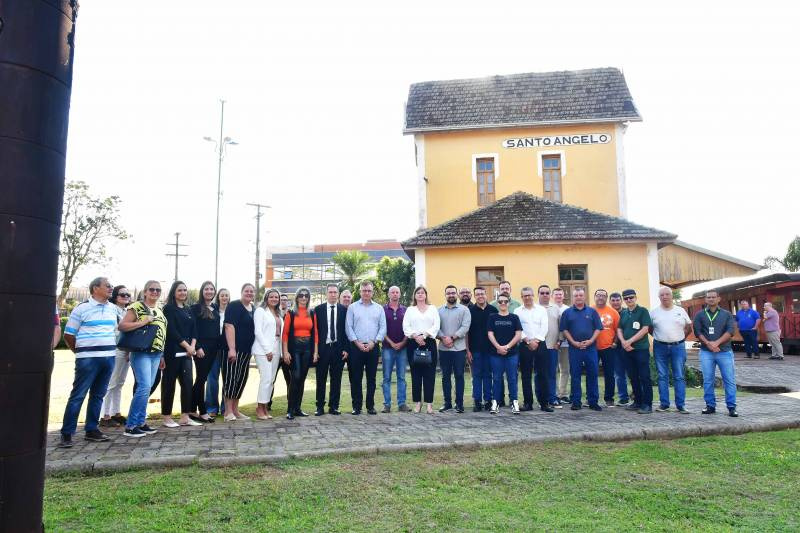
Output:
(267, 348)
(421, 325)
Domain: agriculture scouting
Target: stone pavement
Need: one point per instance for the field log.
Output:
(760, 375)
(252, 442)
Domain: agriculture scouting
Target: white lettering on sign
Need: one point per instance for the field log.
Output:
(558, 140)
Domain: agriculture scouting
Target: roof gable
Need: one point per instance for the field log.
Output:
(578, 96)
(523, 217)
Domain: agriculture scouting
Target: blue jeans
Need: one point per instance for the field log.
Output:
(750, 338)
(91, 375)
(505, 364)
(481, 376)
(673, 355)
(394, 358)
(553, 365)
(213, 404)
(453, 363)
(578, 360)
(622, 378)
(609, 358)
(724, 360)
(145, 367)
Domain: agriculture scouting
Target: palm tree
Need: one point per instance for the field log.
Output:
(354, 267)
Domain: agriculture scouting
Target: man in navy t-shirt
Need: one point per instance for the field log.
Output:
(581, 325)
(505, 331)
(748, 320)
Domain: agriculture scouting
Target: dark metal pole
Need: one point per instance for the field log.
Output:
(36, 56)
(177, 253)
(259, 214)
(219, 188)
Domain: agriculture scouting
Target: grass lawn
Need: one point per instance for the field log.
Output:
(748, 482)
(63, 374)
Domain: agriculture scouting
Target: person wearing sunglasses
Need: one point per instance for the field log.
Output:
(90, 334)
(145, 364)
(112, 414)
(505, 331)
(634, 326)
(581, 325)
(299, 348)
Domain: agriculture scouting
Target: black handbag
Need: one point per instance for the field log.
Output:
(422, 356)
(140, 339)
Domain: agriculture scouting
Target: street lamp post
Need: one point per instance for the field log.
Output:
(220, 148)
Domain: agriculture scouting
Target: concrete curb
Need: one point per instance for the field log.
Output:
(656, 433)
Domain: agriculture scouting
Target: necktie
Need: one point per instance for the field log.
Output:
(332, 325)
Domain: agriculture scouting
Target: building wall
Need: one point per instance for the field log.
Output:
(613, 267)
(589, 172)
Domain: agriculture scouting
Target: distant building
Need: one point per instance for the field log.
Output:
(312, 267)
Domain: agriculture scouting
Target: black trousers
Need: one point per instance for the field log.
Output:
(176, 369)
(234, 375)
(544, 379)
(330, 360)
(526, 356)
(301, 361)
(286, 370)
(423, 377)
(202, 366)
(358, 363)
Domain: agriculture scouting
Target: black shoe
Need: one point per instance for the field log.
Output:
(623, 402)
(576, 407)
(501, 403)
(372, 411)
(459, 409)
(645, 410)
(289, 416)
(319, 412)
(198, 419)
(96, 436)
(147, 430)
(527, 407)
(299, 412)
(547, 409)
(120, 419)
(564, 399)
(749, 356)
(487, 406)
(355, 412)
(732, 412)
(66, 441)
(334, 412)
(595, 407)
(632, 407)
(477, 408)
(134, 432)
(445, 408)
(708, 410)
(403, 408)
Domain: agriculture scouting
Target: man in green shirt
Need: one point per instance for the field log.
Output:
(634, 325)
(505, 290)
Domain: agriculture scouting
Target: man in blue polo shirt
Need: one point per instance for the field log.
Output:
(581, 325)
(89, 333)
(748, 320)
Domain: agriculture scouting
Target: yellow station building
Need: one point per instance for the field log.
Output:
(522, 177)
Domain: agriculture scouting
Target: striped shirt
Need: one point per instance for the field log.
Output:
(93, 324)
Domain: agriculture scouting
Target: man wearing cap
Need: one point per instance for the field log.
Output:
(581, 325)
(714, 328)
(634, 325)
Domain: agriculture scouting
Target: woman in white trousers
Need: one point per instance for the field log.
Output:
(112, 415)
(267, 348)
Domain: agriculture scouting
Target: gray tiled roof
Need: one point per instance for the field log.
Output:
(523, 217)
(580, 96)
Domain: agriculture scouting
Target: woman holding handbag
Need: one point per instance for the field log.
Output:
(267, 348)
(178, 354)
(421, 325)
(145, 361)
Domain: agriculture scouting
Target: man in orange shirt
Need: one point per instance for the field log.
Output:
(607, 342)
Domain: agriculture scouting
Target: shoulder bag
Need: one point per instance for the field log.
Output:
(140, 339)
(422, 356)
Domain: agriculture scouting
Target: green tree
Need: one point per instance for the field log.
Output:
(354, 267)
(88, 224)
(396, 271)
(791, 261)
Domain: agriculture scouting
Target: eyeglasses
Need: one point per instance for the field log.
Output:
(544, 293)
(124, 295)
(154, 289)
(630, 297)
(108, 286)
(502, 302)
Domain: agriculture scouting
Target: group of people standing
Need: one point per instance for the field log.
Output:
(549, 344)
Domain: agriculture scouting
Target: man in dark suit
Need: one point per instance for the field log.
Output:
(332, 353)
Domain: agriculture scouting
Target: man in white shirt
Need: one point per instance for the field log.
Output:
(671, 324)
(533, 354)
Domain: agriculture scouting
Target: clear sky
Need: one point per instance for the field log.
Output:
(315, 94)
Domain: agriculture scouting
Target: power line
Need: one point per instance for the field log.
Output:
(177, 253)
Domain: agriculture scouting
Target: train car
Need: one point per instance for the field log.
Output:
(782, 290)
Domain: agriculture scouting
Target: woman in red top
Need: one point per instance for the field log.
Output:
(299, 348)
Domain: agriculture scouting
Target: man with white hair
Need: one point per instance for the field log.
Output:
(772, 328)
(671, 324)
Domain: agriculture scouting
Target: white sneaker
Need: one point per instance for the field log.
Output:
(191, 422)
(170, 424)
(515, 407)
(493, 410)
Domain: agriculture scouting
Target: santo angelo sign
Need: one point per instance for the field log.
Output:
(558, 140)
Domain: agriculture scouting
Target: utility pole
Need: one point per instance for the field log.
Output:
(259, 214)
(177, 253)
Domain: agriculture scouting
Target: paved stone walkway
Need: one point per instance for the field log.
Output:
(249, 442)
(760, 375)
